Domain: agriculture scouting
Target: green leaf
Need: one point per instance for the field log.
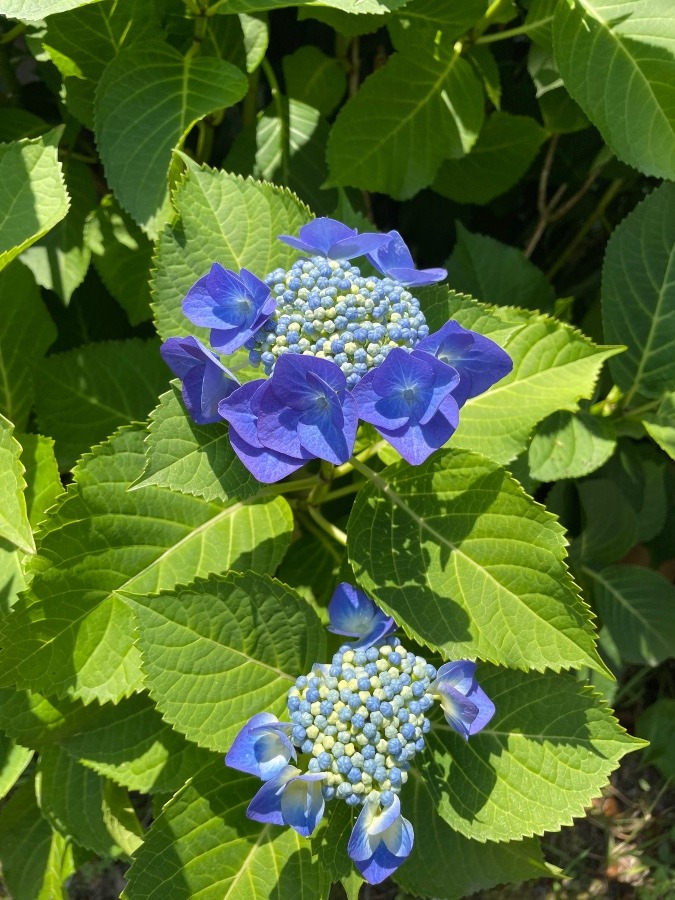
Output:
(59, 261)
(34, 720)
(33, 197)
(453, 19)
(83, 41)
(638, 471)
(638, 295)
(226, 218)
(13, 761)
(311, 567)
(14, 524)
(554, 366)
(26, 334)
(17, 123)
(70, 634)
(148, 99)
(424, 106)
(497, 273)
(12, 580)
(539, 21)
(222, 649)
(344, 23)
(609, 527)
(479, 568)
(483, 61)
(122, 255)
(202, 845)
(636, 607)
(257, 151)
(365, 7)
(314, 79)
(616, 59)
(440, 304)
(570, 445)
(34, 10)
(552, 744)
(331, 841)
(559, 112)
(194, 459)
(505, 148)
(85, 394)
(661, 425)
(657, 725)
(35, 860)
(71, 799)
(476, 866)
(43, 484)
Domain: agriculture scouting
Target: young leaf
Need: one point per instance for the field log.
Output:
(223, 218)
(479, 568)
(70, 634)
(570, 445)
(203, 845)
(85, 394)
(13, 761)
(636, 607)
(616, 59)
(552, 743)
(497, 273)
(638, 295)
(314, 79)
(424, 106)
(505, 148)
(33, 196)
(26, 334)
(476, 866)
(219, 651)
(14, 524)
(43, 484)
(148, 99)
(660, 425)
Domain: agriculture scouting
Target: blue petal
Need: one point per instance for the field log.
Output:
(394, 259)
(459, 675)
(359, 245)
(291, 382)
(459, 711)
(383, 625)
(350, 611)
(330, 238)
(415, 442)
(486, 709)
(205, 380)
(266, 804)
(380, 841)
(418, 277)
(302, 803)
(240, 409)
(330, 434)
(265, 465)
(261, 748)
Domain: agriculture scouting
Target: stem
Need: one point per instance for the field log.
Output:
(250, 105)
(363, 455)
(282, 112)
(343, 491)
(289, 487)
(484, 23)
(513, 32)
(13, 33)
(327, 526)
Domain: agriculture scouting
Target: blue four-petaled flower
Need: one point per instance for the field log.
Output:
(395, 260)
(334, 240)
(205, 379)
(466, 706)
(353, 614)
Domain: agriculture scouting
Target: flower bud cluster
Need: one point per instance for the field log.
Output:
(363, 719)
(326, 308)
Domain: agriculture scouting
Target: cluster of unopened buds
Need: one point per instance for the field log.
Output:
(355, 727)
(336, 347)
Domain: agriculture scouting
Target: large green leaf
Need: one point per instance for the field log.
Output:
(505, 148)
(453, 19)
(14, 524)
(314, 78)
(220, 650)
(476, 866)
(638, 295)
(424, 106)
(26, 334)
(148, 99)
(636, 606)
(194, 459)
(551, 745)
(202, 845)
(13, 761)
(225, 218)
(439, 305)
(497, 273)
(85, 394)
(617, 59)
(69, 634)
(33, 197)
(34, 10)
(43, 483)
(609, 524)
(570, 445)
(554, 366)
(469, 564)
(35, 860)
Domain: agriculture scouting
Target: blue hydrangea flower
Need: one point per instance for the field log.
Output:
(205, 379)
(334, 240)
(466, 706)
(353, 614)
(262, 747)
(409, 400)
(394, 260)
(233, 306)
(380, 841)
(290, 798)
(478, 360)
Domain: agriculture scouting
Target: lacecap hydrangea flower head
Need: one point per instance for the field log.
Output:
(354, 728)
(336, 347)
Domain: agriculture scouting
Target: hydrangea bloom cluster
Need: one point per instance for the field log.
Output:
(336, 347)
(355, 727)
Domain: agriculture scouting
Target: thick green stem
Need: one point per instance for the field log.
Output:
(327, 526)
(513, 32)
(290, 487)
(342, 492)
(347, 467)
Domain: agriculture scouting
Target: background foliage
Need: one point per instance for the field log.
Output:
(153, 595)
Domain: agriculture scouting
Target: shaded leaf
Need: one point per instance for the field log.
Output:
(570, 445)
(661, 425)
(43, 484)
(314, 79)
(657, 725)
(559, 112)
(609, 523)
(13, 761)
(14, 524)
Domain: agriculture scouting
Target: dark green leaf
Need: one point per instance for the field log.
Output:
(315, 79)
(570, 445)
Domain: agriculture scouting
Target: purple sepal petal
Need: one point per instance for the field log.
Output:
(353, 614)
(205, 379)
(290, 798)
(479, 361)
(393, 259)
(262, 747)
(333, 239)
(381, 840)
(466, 706)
